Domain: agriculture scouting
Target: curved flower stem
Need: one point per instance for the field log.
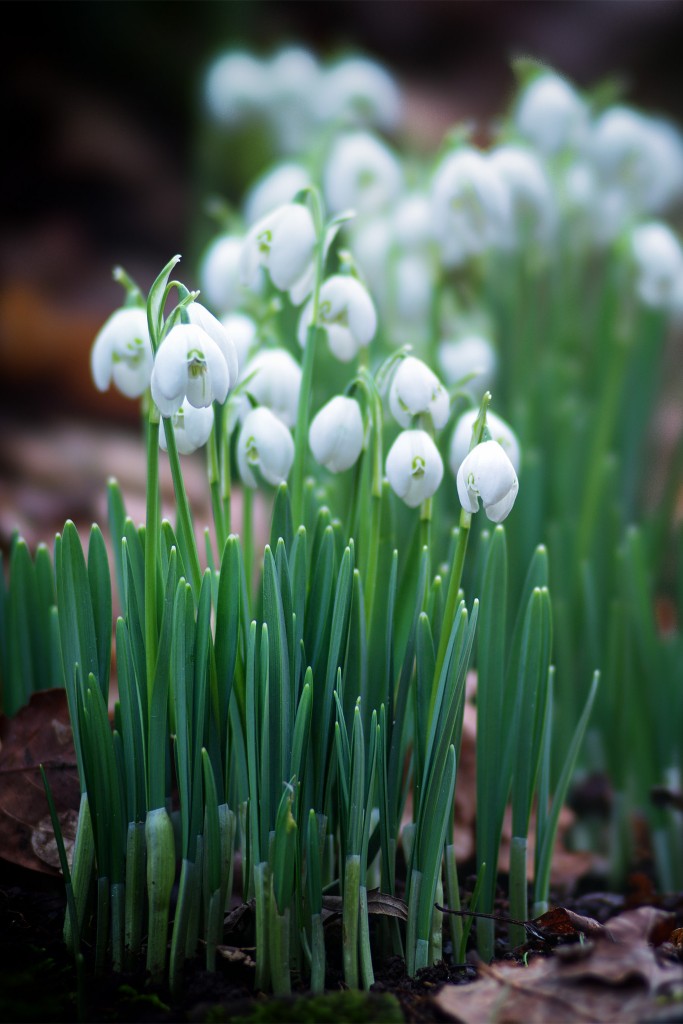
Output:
(183, 505)
(215, 488)
(302, 416)
(151, 548)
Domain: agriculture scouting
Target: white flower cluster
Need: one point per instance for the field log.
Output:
(295, 95)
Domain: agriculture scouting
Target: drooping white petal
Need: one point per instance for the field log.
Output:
(265, 443)
(347, 313)
(275, 382)
(497, 428)
(188, 363)
(487, 473)
(659, 262)
(551, 114)
(357, 90)
(277, 186)
(414, 467)
(191, 427)
(219, 273)
(472, 356)
(122, 351)
(169, 376)
(201, 317)
(284, 243)
(235, 87)
(471, 209)
(361, 174)
(336, 434)
(241, 330)
(416, 390)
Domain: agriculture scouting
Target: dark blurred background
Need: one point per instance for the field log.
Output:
(101, 122)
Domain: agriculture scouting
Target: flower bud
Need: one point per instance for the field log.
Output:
(487, 473)
(347, 313)
(235, 87)
(219, 278)
(362, 174)
(276, 383)
(201, 317)
(471, 209)
(533, 202)
(122, 352)
(497, 428)
(189, 364)
(284, 243)
(414, 467)
(659, 262)
(336, 434)
(264, 443)
(191, 427)
(359, 91)
(241, 330)
(551, 114)
(276, 187)
(415, 391)
(471, 357)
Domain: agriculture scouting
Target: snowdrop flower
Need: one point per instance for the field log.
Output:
(361, 173)
(347, 313)
(414, 467)
(472, 356)
(497, 428)
(293, 82)
(219, 273)
(412, 222)
(533, 202)
(659, 262)
(360, 91)
(284, 243)
(336, 434)
(275, 383)
(371, 242)
(189, 364)
(551, 114)
(277, 186)
(415, 390)
(264, 443)
(200, 316)
(191, 428)
(470, 206)
(235, 87)
(487, 473)
(122, 352)
(241, 330)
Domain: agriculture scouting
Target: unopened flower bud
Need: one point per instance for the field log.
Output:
(336, 434)
(122, 352)
(487, 473)
(415, 391)
(264, 444)
(414, 467)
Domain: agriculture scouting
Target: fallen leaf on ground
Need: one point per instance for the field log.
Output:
(39, 733)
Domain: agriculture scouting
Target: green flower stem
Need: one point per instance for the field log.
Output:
(81, 873)
(248, 537)
(136, 854)
(518, 889)
(302, 415)
(183, 505)
(453, 894)
(367, 973)
(454, 581)
(117, 898)
(261, 887)
(350, 913)
(188, 895)
(317, 954)
(425, 524)
(278, 936)
(436, 937)
(103, 912)
(411, 925)
(226, 483)
(160, 877)
(152, 527)
(215, 487)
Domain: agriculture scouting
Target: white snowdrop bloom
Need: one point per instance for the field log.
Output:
(293, 83)
(276, 383)
(659, 262)
(219, 273)
(264, 443)
(361, 173)
(200, 316)
(487, 473)
(414, 467)
(414, 286)
(191, 428)
(471, 208)
(412, 222)
(415, 391)
(241, 330)
(360, 91)
(122, 352)
(371, 242)
(336, 434)
(497, 428)
(347, 313)
(276, 187)
(235, 87)
(189, 364)
(533, 200)
(470, 356)
(284, 243)
(551, 114)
